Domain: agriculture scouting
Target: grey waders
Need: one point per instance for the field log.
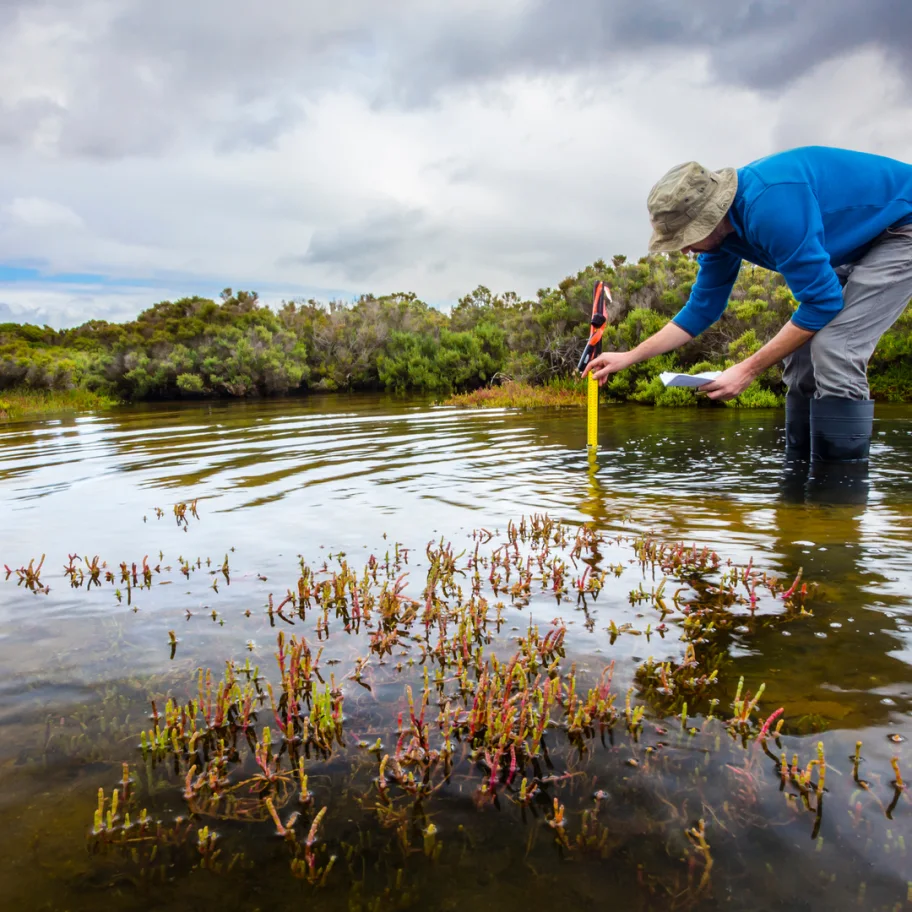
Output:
(829, 414)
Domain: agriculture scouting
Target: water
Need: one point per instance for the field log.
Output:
(281, 482)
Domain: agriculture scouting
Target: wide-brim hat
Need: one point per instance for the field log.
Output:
(687, 204)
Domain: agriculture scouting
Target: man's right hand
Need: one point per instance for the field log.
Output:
(608, 363)
(669, 337)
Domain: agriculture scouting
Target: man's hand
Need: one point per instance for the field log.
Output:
(730, 383)
(670, 336)
(608, 363)
(737, 379)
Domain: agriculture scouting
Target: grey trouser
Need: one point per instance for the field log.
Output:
(876, 290)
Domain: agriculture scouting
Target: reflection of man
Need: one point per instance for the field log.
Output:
(802, 213)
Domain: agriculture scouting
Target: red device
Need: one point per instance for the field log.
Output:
(601, 298)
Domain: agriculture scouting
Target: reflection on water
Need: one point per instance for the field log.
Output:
(350, 475)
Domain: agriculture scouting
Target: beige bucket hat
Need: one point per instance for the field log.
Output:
(687, 204)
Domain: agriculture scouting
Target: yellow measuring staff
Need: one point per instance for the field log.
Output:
(601, 298)
(592, 413)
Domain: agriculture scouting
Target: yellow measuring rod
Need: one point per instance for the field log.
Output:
(592, 413)
(601, 298)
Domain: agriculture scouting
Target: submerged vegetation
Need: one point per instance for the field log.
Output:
(400, 721)
(238, 347)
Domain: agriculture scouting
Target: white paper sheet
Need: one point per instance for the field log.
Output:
(691, 380)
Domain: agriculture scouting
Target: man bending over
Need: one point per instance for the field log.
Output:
(837, 225)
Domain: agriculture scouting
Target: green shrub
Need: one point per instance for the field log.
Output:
(755, 396)
(191, 384)
(237, 346)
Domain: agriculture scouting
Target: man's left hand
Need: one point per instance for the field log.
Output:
(729, 383)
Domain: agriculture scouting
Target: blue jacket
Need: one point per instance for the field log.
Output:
(801, 213)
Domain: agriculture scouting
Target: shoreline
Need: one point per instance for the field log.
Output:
(16, 404)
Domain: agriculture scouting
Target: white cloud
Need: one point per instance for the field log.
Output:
(61, 306)
(297, 145)
(34, 212)
(71, 305)
(860, 100)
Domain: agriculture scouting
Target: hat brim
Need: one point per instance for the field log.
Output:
(706, 222)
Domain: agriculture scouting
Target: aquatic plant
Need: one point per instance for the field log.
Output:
(492, 703)
(29, 576)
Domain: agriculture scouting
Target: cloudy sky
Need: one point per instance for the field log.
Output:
(304, 148)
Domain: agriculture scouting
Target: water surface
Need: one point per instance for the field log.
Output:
(279, 482)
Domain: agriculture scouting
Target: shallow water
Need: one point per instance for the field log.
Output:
(283, 481)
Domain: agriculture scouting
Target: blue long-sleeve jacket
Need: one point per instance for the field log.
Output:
(801, 213)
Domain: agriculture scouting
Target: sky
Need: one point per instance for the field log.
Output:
(297, 148)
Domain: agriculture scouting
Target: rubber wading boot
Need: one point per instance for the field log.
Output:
(797, 427)
(841, 429)
(793, 481)
(838, 483)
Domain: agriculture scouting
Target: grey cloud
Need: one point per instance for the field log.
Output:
(139, 78)
(234, 75)
(396, 241)
(767, 45)
(25, 118)
(763, 44)
(262, 128)
(511, 195)
(365, 250)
